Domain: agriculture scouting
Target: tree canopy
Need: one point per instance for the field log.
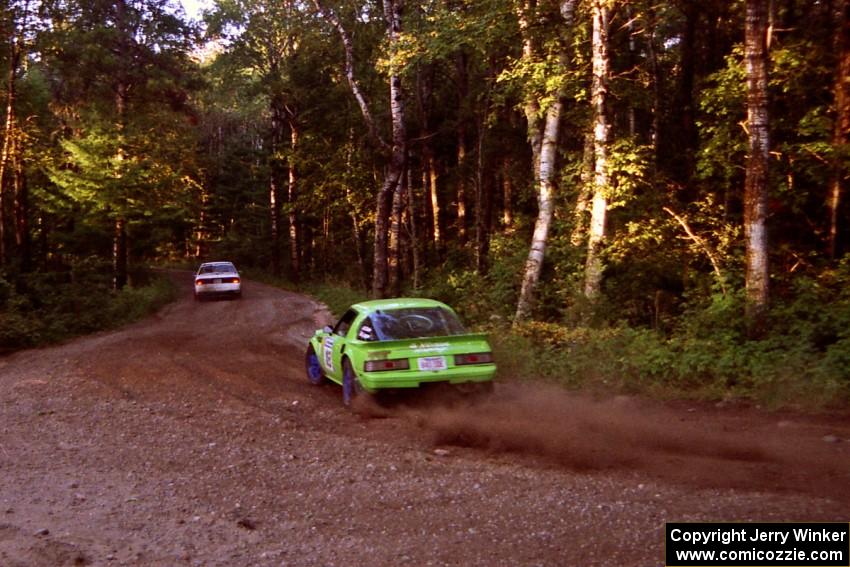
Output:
(575, 162)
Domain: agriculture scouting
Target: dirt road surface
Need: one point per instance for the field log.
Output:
(194, 438)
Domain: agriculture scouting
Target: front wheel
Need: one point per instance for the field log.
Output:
(314, 369)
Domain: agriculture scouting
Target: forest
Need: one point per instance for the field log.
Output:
(630, 195)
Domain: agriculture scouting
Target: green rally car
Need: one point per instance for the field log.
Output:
(398, 343)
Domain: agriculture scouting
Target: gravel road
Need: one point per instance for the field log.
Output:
(194, 438)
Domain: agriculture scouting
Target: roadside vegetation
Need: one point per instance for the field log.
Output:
(47, 307)
(703, 354)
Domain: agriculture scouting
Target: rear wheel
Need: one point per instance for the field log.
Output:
(351, 387)
(314, 369)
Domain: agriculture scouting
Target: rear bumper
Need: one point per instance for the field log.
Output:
(218, 289)
(415, 378)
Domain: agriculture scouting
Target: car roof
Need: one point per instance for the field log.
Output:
(396, 303)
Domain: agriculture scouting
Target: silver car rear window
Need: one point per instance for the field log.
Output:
(218, 269)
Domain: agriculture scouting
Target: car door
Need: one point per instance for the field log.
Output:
(333, 345)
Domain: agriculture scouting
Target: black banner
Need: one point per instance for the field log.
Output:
(757, 544)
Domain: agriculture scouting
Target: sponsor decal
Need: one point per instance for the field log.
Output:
(429, 347)
(328, 353)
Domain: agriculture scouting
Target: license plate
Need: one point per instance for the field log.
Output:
(432, 363)
(217, 280)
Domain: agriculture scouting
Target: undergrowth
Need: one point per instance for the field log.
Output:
(803, 361)
(46, 307)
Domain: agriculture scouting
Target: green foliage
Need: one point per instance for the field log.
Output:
(722, 104)
(480, 298)
(48, 307)
(337, 298)
(802, 363)
(630, 165)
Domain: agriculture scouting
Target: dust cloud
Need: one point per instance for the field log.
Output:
(576, 431)
(622, 434)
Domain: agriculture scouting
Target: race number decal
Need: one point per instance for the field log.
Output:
(328, 353)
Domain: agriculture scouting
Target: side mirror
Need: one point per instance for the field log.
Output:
(327, 329)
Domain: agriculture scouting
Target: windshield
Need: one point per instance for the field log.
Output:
(415, 323)
(218, 269)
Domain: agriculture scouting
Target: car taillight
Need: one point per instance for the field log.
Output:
(383, 365)
(234, 280)
(199, 282)
(476, 358)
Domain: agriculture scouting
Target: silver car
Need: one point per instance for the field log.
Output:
(217, 278)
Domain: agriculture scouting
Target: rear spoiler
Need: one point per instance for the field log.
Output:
(425, 342)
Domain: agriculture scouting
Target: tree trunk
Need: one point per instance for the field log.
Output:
(275, 179)
(358, 247)
(394, 259)
(585, 190)
(507, 195)
(655, 79)
(292, 196)
(434, 198)
(685, 103)
(21, 206)
(392, 13)
(461, 185)
(119, 254)
(348, 48)
(632, 64)
(841, 128)
(461, 67)
(755, 190)
(122, 93)
(482, 200)
(534, 264)
(544, 146)
(9, 136)
(429, 234)
(415, 244)
(599, 209)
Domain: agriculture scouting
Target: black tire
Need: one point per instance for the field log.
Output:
(351, 388)
(313, 367)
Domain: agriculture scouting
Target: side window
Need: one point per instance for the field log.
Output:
(344, 323)
(367, 331)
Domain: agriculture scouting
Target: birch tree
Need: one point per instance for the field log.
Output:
(755, 189)
(396, 148)
(599, 98)
(543, 130)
